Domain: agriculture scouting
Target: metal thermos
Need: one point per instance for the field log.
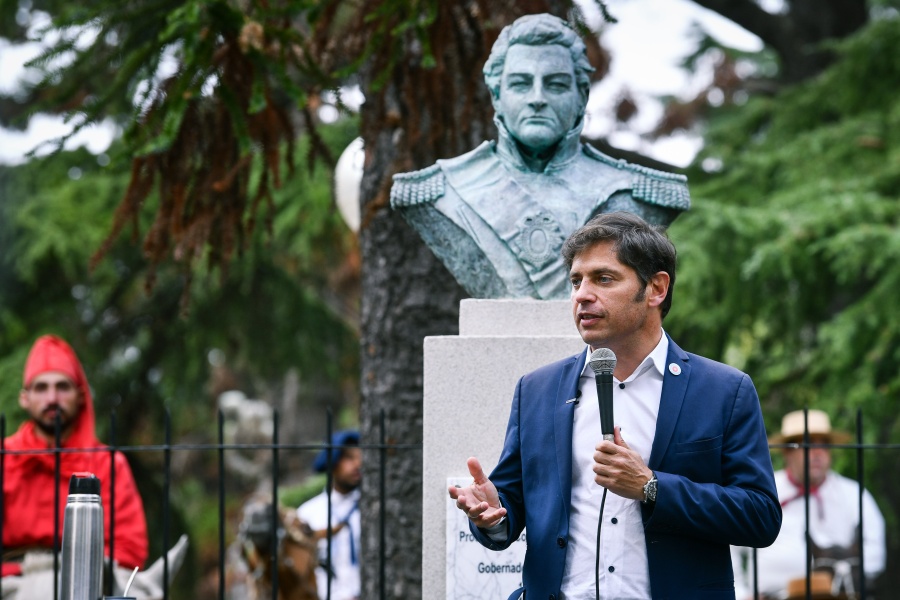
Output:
(81, 573)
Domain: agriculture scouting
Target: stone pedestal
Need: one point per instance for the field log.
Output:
(468, 388)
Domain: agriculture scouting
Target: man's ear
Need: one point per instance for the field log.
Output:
(657, 288)
(23, 398)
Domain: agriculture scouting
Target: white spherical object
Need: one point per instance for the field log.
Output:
(347, 178)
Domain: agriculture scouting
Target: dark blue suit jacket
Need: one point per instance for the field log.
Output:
(709, 453)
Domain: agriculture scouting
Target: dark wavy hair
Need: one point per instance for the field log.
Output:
(643, 247)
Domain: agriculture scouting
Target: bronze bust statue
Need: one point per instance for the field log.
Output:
(497, 216)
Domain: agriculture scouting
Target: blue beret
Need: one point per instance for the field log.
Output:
(348, 437)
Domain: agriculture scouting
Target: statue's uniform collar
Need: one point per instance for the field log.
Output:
(566, 152)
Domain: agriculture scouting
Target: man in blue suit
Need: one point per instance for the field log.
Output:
(689, 471)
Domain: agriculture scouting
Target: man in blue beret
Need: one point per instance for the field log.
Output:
(344, 458)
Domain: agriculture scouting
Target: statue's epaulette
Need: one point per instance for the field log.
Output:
(417, 187)
(660, 188)
(650, 185)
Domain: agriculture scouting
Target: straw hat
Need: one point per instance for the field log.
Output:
(819, 426)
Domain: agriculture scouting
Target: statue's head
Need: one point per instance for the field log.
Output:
(539, 77)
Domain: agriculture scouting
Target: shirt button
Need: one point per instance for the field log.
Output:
(561, 542)
(614, 520)
(611, 568)
(621, 386)
(552, 597)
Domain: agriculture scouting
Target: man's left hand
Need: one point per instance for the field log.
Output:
(620, 469)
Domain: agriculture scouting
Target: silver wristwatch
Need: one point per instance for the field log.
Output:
(650, 491)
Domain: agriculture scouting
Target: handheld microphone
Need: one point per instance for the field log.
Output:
(603, 362)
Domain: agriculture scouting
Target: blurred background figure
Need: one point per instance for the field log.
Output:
(56, 395)
(833, 523)
(344, 458)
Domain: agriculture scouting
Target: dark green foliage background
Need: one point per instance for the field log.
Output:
(789, 263)
(143, 355)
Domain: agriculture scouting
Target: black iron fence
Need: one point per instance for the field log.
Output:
(860, 590)
(276, 526)
(276, 447)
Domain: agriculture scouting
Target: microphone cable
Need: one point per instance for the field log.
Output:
(597, 561)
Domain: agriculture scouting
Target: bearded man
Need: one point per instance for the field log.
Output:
(57, 398)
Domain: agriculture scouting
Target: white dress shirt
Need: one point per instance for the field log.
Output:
(834, 516)
(624, 573)
(345, 544)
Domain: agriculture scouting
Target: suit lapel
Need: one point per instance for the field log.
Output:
(673, 391)
(563, 418)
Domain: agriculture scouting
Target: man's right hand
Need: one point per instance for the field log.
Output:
(479, 501)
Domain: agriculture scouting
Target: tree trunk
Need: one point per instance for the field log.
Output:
(420, 115)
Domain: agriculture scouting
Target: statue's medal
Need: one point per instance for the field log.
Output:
(537, 240)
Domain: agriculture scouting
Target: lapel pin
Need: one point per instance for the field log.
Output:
(674, 369)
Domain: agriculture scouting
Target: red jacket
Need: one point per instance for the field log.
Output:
(28, 478)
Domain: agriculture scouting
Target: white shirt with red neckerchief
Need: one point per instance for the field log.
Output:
(834, 516)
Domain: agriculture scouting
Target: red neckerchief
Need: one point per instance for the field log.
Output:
(801, 492)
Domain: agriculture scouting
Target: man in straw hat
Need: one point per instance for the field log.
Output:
(57, 398)
(833, 514)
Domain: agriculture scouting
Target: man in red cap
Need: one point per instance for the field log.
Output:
(54, 387)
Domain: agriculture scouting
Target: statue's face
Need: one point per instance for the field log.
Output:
(538, 99)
